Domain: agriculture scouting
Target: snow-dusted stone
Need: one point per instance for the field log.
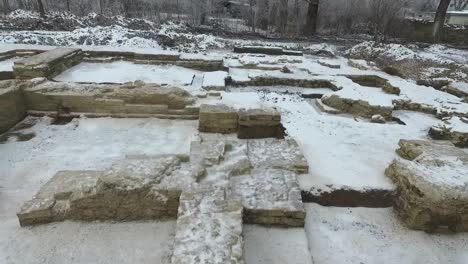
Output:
(127, 99)
(47, 64)
(138, 188)
(375, 81)
(378, 119)
(218, 119)
(215, 80)
(266, 50)
(457, 88)
(12, 105)
(431, 180)
(207, 152)
(358, 64)
(209, 228)
(269, 196)
(329, 65)
(357, 107)
(454, 129)
(260, 123)
(275, 153)
(255, 77)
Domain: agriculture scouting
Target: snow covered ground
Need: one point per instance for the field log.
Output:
(365, 235)
(122, 72)
(275, 245)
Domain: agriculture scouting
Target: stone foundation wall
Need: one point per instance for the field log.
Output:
(357, 107)
(128, 99)
(142, 58)
(12, 105)
(273, 81)
(47, 64)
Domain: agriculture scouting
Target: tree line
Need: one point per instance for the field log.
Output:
(283, 17)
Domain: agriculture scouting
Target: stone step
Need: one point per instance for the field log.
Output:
(209, 227)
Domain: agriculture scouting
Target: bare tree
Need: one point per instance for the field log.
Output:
(439, 19)
(459, 5)
(283, 16)
(312, 15)
(40, 6)
(6, 7)
(384, 14)
(252, 13)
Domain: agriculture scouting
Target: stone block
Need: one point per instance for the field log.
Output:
(209, 227)
(12, 105)
(270, 197)
(260, 123)
(279, 154)
(47, 64)
(218, 119)
(431, 179)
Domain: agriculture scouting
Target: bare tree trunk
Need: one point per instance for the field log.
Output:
(101, 7)
(68, 6)
(20, 4)
(252, 14)
(312, 16)
(6, 7)
(41, 8)
(439, 19)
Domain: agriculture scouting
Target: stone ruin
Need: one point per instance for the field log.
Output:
(248, 123)
(211, 192)
(47, 64)
(431, 187)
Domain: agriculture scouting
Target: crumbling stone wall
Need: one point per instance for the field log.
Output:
(431, 192)
(357, 107)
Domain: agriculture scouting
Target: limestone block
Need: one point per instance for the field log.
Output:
(269, 196)
(357, 107)
(266, 50)
(12, 105)
(260, 123)
(207, 153)
(47, 64)
(209, 228)
(218, 119)
(137, 188)
(454, 129)
(431, 179)
(279, 154)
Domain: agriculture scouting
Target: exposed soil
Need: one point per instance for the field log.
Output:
(351, 198)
